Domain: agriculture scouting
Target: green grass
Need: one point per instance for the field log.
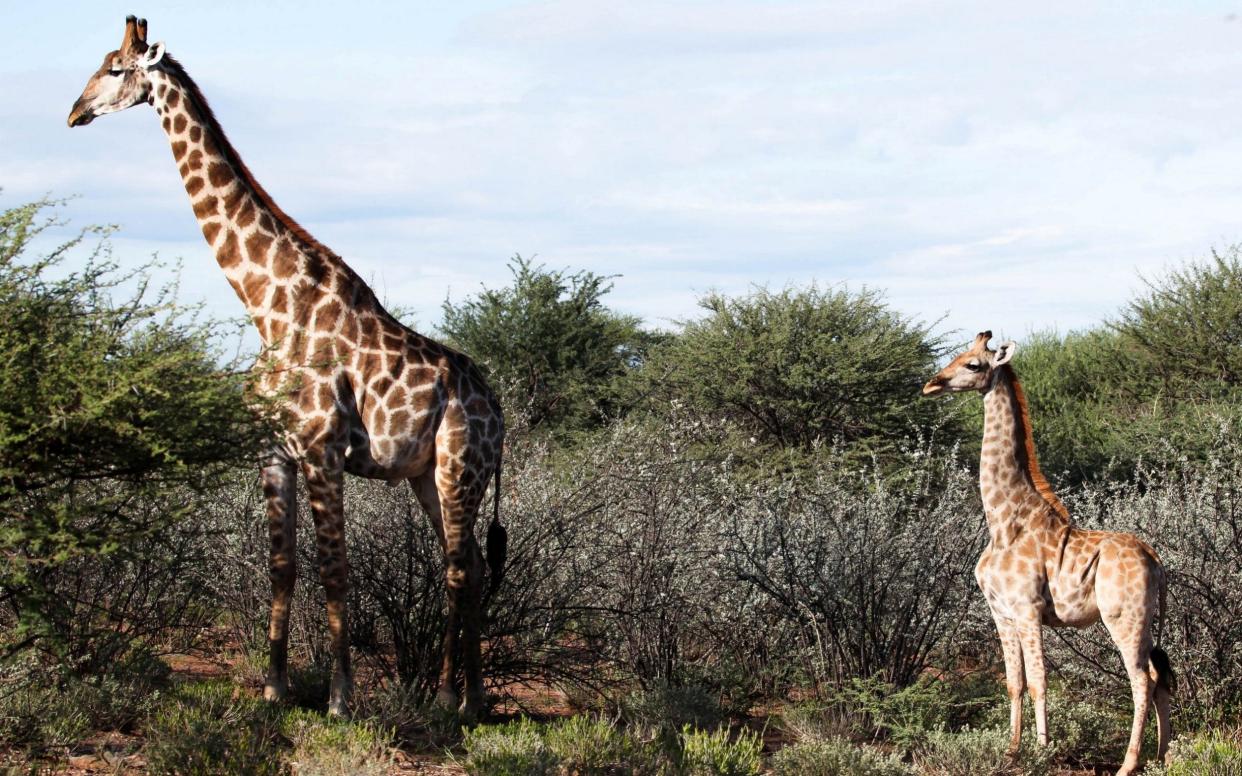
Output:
(593, 747)
(214, 727)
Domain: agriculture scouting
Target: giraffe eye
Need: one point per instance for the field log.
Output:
(973, 366)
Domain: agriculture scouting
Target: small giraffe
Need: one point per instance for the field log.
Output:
(1039, 569)
(362, 393)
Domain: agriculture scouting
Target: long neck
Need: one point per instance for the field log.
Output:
(269, 260)
(1016, 497)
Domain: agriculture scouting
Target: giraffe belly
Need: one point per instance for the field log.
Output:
(1071, 607)
(388, 459)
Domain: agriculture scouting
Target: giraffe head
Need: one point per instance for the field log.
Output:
(972, 370)
(122, 81)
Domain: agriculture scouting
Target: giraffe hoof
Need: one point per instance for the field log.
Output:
(338, 708)
(275, 691)
(473, 710)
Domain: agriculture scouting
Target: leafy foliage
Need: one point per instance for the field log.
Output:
(327, 746)
(982, 753)
(210, 728)
(554, 352)
(116, 421)
(837, 757)
(1153, 386)
(672, 588)
(1187, 328)
(708, 753)
(793, 369)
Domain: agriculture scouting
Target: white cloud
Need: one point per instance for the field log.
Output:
(1015, 165)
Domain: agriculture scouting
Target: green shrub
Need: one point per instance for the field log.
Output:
(904, 715)
(815, 721)
(327, 746)
(580, 745)
(513, 749)
(589, 746)
(1087, 732)
(1211, 753)
(41, 718)
(117, 420)
(971, 752)
(795, 369)
(211, 728)
(411, 719)
(837, 757)
(43, 709)
(309, 684)
(720, 754)
(553, 351)
(1186, 327)
(665, 709)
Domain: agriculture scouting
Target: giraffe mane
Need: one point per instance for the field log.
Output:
(234, 158)
(1029, 460)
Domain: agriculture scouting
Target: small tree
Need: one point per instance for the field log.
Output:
(1155, 384)
(553, 351)
(116, 420)
(1188, 328)
(797, 368)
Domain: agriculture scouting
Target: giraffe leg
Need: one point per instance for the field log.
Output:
(472, 630)
(1164, 724)
(463, 579)
(1133, 640)
(429, 497)
(459, 504)
(279, 478)
(1031, 634)
(325, 482)
(1015, 678)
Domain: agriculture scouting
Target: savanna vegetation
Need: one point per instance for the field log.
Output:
(743, 545)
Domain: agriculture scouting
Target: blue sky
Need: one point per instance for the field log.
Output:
(999, 165)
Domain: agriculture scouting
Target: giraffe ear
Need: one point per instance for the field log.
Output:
(1004, 353)
(152, 56)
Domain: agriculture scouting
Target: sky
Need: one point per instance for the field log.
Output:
(987, 165)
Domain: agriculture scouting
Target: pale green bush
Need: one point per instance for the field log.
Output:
(324, 746)
(972, 752)
(718, 753)
(1212, 753)
(837, 757)
(588, 746)
(212, 728)
(513, 749)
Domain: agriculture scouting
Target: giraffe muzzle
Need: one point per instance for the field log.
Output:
(81, 115)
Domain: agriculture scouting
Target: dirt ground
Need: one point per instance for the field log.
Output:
(110, 753)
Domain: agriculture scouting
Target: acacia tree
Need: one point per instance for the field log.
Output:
(552, 349)
(1154, 385)
(1187, 327)
(116, 422)
(793, 369)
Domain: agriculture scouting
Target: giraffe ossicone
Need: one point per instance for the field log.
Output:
(1039, 569)
(363, 393)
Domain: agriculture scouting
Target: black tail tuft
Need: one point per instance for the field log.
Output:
(497, 543)
(1165, 677)
(497, 550)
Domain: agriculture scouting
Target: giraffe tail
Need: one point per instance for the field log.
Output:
(1165, 677)
(497, 543)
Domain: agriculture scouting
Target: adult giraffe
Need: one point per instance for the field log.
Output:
(1039, 569)
(363, 393)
